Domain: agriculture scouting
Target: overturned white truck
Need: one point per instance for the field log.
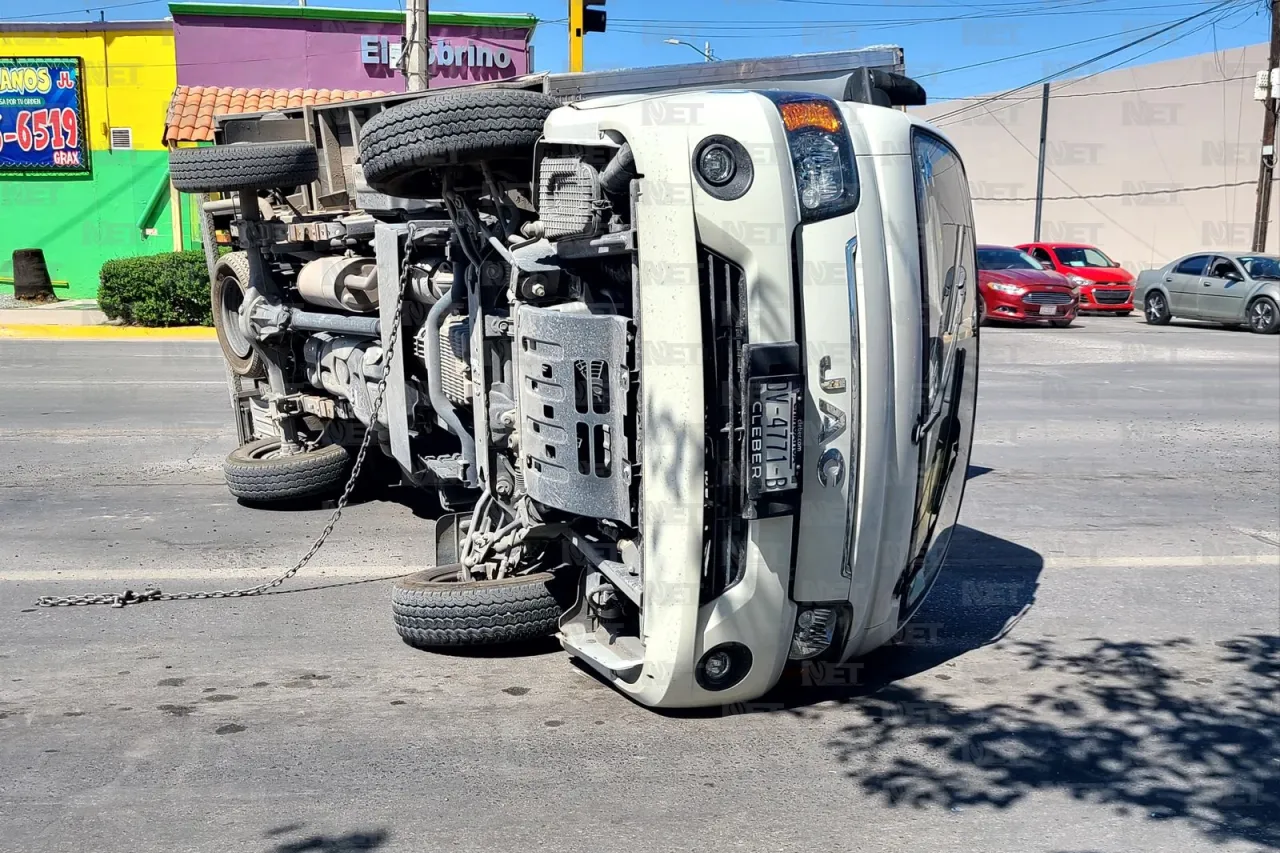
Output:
(689, 354)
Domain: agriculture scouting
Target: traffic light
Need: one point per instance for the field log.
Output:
(583, 19)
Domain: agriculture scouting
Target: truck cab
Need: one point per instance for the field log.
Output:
(695, 368)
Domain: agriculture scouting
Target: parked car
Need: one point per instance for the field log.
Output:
(1232, 288)
(1014, 286)
(1104, 284)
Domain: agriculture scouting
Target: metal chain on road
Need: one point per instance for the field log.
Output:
(152, 594)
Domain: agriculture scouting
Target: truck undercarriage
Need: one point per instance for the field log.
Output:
(452, 283)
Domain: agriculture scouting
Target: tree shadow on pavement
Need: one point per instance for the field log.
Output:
(1122, 728)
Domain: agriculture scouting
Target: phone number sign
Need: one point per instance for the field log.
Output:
(42, 116)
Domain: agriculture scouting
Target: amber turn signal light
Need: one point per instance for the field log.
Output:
(801, 114)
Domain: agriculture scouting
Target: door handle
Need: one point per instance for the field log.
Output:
(1207, 283)
(1168, 278)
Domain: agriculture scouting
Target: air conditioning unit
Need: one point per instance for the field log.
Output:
(121, 139)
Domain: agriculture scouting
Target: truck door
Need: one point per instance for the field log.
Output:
(948, 293)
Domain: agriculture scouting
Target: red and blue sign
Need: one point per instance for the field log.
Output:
(42, 126)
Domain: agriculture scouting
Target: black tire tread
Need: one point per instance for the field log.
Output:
(430, 614)
(455, 127)
(238, 264)
(304, 475)
(247, 166)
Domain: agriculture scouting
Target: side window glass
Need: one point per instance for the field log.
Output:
(1043, 256)
(947, 256)
(1193, 266)
(1223, 268)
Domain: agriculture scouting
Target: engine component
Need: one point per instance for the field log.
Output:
(350, 368)
(346, 283)
(574, 379)
(262, 320)
(455, 367)
(443, 407)
(569, 197)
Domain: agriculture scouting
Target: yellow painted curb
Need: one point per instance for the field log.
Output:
(107, 333)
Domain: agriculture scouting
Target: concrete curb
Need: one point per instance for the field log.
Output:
(105, 333)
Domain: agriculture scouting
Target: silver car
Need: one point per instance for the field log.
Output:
(1232, 288)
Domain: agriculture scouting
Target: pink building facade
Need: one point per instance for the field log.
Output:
(290, 47)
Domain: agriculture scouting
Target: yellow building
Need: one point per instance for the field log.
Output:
(120, 205)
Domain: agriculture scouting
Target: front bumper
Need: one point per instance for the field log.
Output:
(1103, 299)
(1015, 308)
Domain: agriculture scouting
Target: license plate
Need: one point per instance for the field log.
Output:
(774, 435)
(1048, 309)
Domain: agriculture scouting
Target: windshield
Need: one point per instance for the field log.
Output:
(1006, 259)
(1086, 257)
(1261, 266)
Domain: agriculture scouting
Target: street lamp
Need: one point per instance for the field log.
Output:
(706, 52)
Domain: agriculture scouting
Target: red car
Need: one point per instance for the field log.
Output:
(1103, 284)
(1014, 286)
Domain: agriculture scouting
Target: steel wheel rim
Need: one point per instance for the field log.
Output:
(1261, 315)
(229, 309)
(1155, 307)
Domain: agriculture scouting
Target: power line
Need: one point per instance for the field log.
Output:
(1045, 79)
(1134, 194)
(102, 7)
(942, 98)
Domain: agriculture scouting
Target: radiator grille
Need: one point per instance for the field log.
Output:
(724, 333)
(1047, 298)
(1111, 297)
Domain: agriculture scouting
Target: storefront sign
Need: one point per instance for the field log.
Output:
(385, 51)
(42, 116)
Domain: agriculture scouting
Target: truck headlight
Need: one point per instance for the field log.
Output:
(821, 155)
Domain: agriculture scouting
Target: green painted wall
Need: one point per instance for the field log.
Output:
(82, 222)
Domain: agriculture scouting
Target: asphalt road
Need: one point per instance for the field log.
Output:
(1094, 674)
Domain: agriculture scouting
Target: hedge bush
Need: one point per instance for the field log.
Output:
(157, 290)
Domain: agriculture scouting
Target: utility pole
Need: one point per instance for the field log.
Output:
(1044, 133)
(1267, 162)
(417, 52)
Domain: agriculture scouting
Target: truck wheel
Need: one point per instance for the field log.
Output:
(433, 608)
(400, 146)
(243, 166)
(258, 473)
(1264, 316)
(230, 280)
(1156, 309)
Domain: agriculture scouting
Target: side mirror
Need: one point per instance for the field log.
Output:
(1233, 275)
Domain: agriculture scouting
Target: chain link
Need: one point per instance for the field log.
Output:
(120, 599)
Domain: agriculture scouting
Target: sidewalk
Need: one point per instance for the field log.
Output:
(81, 319)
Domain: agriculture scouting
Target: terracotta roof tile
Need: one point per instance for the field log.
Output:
(191, 111)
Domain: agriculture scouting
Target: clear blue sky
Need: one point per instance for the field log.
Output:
(938, 35)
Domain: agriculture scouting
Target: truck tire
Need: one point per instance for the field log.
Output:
(256, 475)
(230, 280)
(433, 609)
(243, 166)
(399, 147)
